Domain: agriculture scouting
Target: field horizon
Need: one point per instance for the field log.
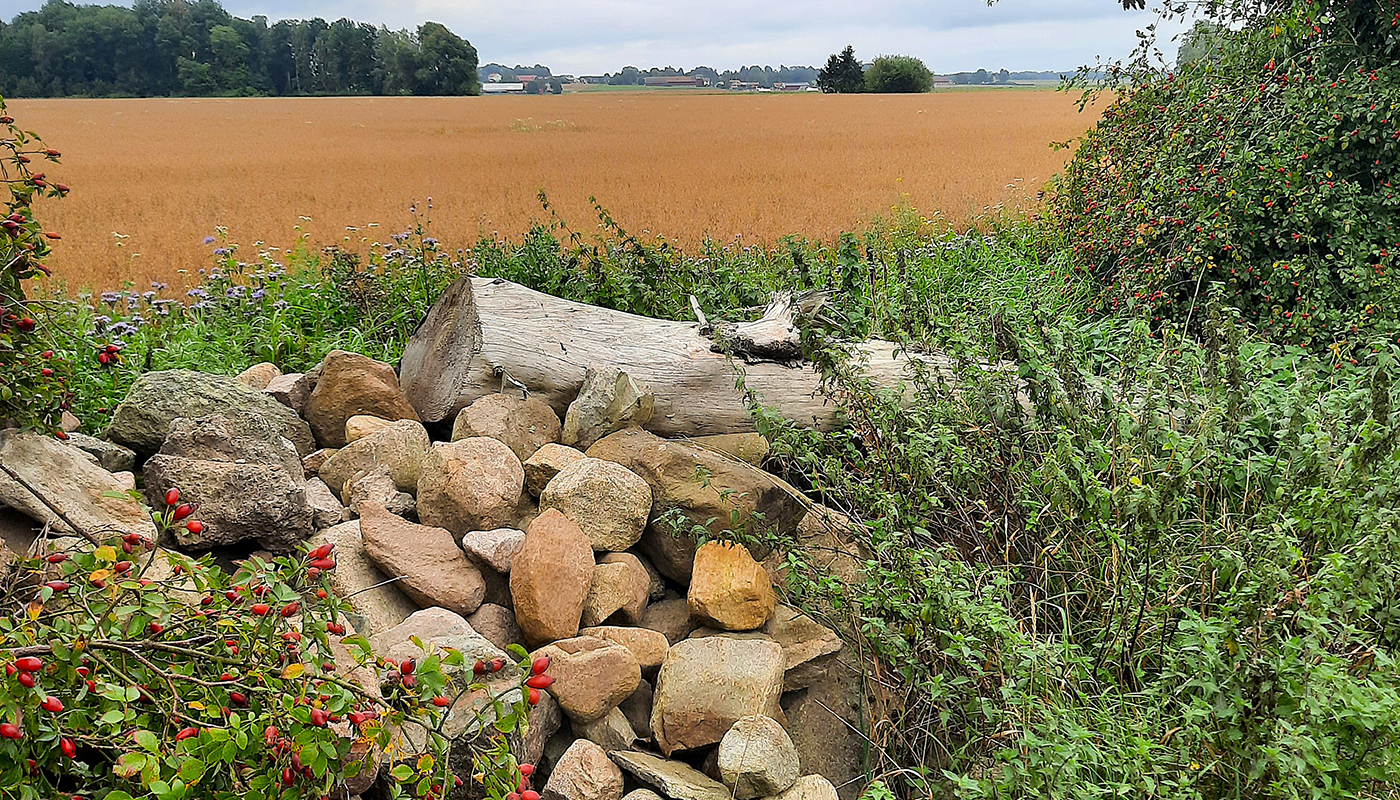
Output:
(152, 178)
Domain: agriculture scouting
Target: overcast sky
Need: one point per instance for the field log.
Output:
(605, 35)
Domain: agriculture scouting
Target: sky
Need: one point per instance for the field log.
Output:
(604, 35)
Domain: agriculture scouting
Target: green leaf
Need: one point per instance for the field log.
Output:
(148, 741)
(519, 652)
(112, 717)
(401, 772)
(129, 765)
(191, 770)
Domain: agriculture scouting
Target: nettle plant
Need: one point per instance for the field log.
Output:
(1263, 169)
(132, 671)
(33, 382)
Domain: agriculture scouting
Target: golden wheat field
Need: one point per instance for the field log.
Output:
(151, 178)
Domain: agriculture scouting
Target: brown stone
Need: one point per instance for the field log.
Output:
(291, 390)
(670, 616)
(541, 467)
(471, 485)
(351, 384)
(729, 590)
(584, 772)
(259, 375)
(433, 571)
(550, 578)
(607, 500)
(362, 425)
(750, 448)
(522, 424)
(591, 676)
(648, 646)
(706, 685)
(618, 586)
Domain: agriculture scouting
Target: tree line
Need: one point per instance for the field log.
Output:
(844, 74)
(185, 47)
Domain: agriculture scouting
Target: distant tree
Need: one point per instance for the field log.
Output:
(448, 64)
(556, 86)
(842, 74)
(898, 74)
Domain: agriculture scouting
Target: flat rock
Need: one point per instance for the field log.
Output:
(550, 577)
(617, 587)
(362, 425)
(673, 779)
(756, 758)
(524, 424)
(605, 499)
(471, 485)
(802, 638)
(156, 399)
(649, 647)
(69, 480)
(584, 772)
(110, 455)
(437, 629)
(433, 571)
(591, 676)
(608, 400)
(811, 787)
(641, 794)
(729, 590)
(828, 722)
(350, 384)
(259, 375)
(378, 605)
(496, 549)
(497, 624)
(706, 685)
(547, 461)
(701, 486)
(401, 446)
(326, 508)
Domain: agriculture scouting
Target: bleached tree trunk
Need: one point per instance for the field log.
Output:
(482, 327)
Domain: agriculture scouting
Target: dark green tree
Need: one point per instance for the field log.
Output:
(898, 74)
(448, 64)
(842, 74)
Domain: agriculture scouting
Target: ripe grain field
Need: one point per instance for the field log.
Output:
(151, 178)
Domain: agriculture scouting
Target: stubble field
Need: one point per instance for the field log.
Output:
(152, 178)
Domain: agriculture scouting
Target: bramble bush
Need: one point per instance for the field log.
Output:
(132, 671)
(1263, 171)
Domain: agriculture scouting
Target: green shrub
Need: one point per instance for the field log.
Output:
(1259, 173)
(898, 74)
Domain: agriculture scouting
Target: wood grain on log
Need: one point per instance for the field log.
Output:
(483, 326)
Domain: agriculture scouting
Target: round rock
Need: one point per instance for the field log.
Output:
(757, 758)
(607, 500)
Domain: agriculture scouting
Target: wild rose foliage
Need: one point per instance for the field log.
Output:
(33, 382)
(1265, 175)
(125, 677)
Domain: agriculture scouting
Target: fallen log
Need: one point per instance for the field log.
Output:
(484, 331)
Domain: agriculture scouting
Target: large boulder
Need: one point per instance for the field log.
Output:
(729, 590)
(829, 722)
(470, 485)
(246, 479)
(71, 481)
(550, 577)
(804, 641)
(757, 759)
(156, 399)
(524, 424)
(378, 605)
(547, 462)
(706, 685)
(750, 448)
(608, 400)
(351, 384)
(326, 508)
(431, 569)
(401, 446)
(591, 676)
(704, 488)
(584, 772)
(648, 647)
(605, 499)
(673, 779)
(618, 586)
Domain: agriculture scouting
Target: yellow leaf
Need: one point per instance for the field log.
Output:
(227, 623)
(35, 609)
(425, 764)
(293, 671)
(196, 705)
(1135, 480)
(100, 575)
(105, 553)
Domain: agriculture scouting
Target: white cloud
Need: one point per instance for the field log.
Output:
(950, 35)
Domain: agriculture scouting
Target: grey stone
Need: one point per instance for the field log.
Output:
(584, 772)
(611, 732)
(609, 400)
(400, 446)
(326, 509)
(110, 455)
(375, 487)
(670, 616)
(672, 779)
(607, 501)
(497, 624)
(438, 629)
(378, 605)
(496, 549)
(813, 787)
(350, 384)
(469, 485)
(706, 685)
(757, 759)
(828, 721)
(157, 399)
(69, 480)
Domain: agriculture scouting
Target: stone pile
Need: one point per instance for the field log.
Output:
(678, 672)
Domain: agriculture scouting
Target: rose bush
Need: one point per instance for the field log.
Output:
(132, 671)
(1263, 174)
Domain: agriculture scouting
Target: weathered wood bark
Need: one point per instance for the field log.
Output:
(481, 326)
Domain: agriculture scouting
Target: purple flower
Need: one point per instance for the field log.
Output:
(209, 240)
(157, 285)
(280, 304)
(430, 242)
(199, 293)
(257, 295)
(221, 251)
(111, 298)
